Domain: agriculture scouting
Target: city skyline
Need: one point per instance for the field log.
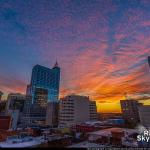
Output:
(101, 46)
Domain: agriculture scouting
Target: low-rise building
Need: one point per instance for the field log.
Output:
(59, 140)
(15, 101)
(3, 107)
(74, 109)
(84, 128)
(5, 122)
(117, 137)
(14, 107)
(1, 93)
(86, 145)
(144, 112)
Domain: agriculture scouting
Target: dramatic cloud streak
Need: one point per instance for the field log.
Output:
(101, 46)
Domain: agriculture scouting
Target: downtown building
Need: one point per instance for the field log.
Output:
(14, 108)
(35, 112)
(42, 90)
(149, 60)
(75, 109)
(144, 110)
(130, 111)
(2, 104)
(3, 107)
(144, 113)
(134, 112)
(1, 93)
(15, 101)
(45, 78)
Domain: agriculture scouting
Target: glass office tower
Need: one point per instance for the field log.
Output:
(47, 79)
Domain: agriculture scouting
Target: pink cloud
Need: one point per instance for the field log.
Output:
(146, 23)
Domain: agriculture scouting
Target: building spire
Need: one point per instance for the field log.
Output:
(56, 64)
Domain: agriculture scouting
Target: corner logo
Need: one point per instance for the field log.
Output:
(144, 134)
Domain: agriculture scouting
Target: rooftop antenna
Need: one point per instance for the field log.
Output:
(56, 64)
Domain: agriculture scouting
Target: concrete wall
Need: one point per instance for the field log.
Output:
(144, 112)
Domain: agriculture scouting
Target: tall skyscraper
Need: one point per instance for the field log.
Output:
(42, 90)
(45, 78)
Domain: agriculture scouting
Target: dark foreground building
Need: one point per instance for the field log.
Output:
(130, 111)
(149, 60)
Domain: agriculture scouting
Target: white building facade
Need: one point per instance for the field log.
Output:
(75, 109)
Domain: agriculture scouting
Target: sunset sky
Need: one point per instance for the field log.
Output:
(101, 46)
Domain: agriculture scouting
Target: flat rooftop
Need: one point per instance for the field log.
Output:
(107, 132)
(86, 144)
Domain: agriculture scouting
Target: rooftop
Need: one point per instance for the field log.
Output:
(107, 132)
(86, 144)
